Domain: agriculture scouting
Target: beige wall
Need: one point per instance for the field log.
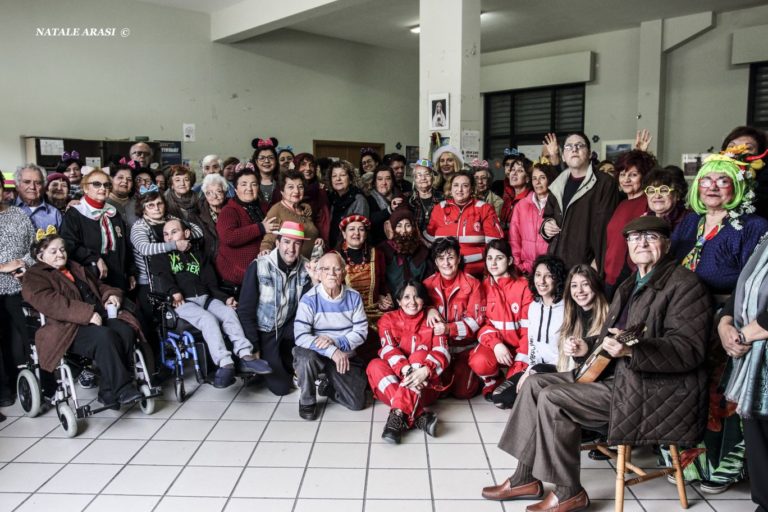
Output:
(704, 95)
(295, 86)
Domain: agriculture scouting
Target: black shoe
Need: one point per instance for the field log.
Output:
(428, 423)
(129, 395)
(504, 395)
(308, 412)
(7, 401)
(394, 427)
(598, 455)
(324, 387)
(225, 377)
(106, 400)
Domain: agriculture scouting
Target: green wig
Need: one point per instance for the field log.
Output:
(724, 165)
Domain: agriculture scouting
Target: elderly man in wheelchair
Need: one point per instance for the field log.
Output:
(82, 317)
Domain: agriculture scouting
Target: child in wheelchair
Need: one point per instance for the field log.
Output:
(75, 306)
(190, 281)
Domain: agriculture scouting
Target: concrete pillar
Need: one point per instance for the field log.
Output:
(449, 62)
(650, 86)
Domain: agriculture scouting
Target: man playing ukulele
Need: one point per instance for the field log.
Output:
(653, 392)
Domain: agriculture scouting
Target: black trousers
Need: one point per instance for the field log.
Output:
(276, 349)
(756, 437)
(111, 347)
(14, 342)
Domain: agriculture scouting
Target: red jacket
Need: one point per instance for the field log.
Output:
(461, 302)
(474, 224)
(506, 317)
(402, 335)
(239, 242)
(524, 236)
(615, 245)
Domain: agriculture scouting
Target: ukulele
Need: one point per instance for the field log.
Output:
(597, 361)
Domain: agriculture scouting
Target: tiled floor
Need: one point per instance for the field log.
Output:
(242, 449)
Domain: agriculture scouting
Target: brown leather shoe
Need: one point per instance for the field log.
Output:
(552, 504)
(505, 491)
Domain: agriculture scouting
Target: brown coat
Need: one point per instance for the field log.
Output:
(660, 393)
(583, 223)
(52, 294)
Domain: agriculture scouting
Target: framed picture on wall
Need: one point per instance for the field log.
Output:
(439, 113)
(411, 154)
(613, 148)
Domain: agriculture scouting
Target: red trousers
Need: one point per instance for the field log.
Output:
(483, 362)
(458, 378)
(386, 387)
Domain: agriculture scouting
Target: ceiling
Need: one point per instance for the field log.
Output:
(505, 24)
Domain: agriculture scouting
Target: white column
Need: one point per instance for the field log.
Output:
(449, 62)
(650, 82)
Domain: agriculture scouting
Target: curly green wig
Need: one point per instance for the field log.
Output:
(723, 165)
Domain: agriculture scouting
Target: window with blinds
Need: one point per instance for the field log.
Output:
(757, 109)
(524, 116)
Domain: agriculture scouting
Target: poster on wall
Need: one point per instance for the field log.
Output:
(613, 148)
(170, 152)
(411, 154)
(439, 113)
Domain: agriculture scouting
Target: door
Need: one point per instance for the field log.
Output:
(345, 150)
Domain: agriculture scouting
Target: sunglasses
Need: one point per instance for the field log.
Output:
(99, 184)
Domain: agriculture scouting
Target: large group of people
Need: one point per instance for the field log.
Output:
(408, 291)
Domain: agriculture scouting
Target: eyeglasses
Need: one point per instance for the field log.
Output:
(143, 181)
(214, 193)
(721, 182)
(578, 146)
(140, 153)
(648, 236)
(422, 175)
(265, 158)
(662, 190)
(331, 270)
(98, 184)
(154, 206)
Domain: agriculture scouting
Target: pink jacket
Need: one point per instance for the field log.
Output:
(524, 237)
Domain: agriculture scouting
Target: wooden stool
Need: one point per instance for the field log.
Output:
(624, 465)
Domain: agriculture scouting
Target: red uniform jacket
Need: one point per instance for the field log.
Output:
(474, 224)
(461, 302)
(506, 317)
(403, 335)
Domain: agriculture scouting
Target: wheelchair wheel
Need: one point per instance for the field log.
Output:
(28, 390)
(178, 389)
(148, 404)
(68, 420)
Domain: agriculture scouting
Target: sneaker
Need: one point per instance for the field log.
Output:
(249, 364)
(504, 395)
(428, 423)
(129, 395)
(225, 376)
(710, 487)
(394, 427)
(87, 379)
(671, 479)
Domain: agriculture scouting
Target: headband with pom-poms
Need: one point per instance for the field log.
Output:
(270, 143)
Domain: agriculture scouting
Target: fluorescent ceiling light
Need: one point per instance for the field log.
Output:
(417, 28)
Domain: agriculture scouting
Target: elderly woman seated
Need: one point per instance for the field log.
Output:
(76, 306)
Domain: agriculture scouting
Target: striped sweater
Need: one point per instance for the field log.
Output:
(342, 319)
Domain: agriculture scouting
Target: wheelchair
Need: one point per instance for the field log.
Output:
(63, 393)
(180, 342)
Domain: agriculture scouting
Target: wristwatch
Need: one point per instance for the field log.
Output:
(742, 340)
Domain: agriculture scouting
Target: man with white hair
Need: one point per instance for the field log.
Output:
(30, 184)
(330, 324)
(141, 153)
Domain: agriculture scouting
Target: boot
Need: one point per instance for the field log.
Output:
(393, 430)
(428, 423)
